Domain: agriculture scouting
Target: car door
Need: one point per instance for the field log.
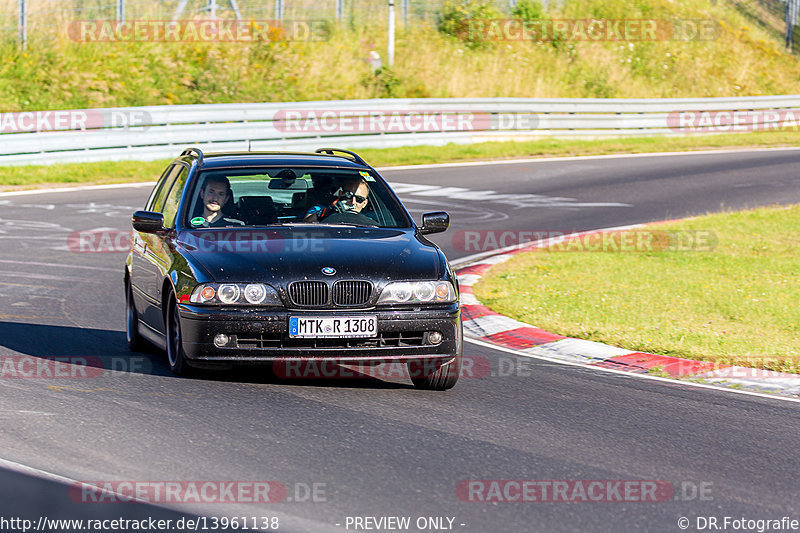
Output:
(144, 270)
(160, 252)
(138, 268)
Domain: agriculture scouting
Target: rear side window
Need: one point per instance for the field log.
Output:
(160, 185)
(156, 202)
(170, 209)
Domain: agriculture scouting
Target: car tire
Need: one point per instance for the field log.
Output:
(176, 357)
(136, 342)
(442, 378)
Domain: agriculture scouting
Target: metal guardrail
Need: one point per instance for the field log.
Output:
(160, 132)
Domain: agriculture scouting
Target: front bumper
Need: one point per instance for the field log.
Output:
(263, 335)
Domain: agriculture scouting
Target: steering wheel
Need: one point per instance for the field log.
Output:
(349, 218)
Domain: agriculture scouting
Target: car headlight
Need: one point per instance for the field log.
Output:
(235, 294)
(400, 292)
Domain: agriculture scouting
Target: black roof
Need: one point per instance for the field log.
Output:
(304, 159)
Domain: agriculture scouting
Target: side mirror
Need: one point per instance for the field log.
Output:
(435, 222)
(148, 221)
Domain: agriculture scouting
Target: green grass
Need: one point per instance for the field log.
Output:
(131, 171)
(35, 176)
(735, 304)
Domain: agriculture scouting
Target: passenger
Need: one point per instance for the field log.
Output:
(351, 198)
(319, 196)
(216, 195)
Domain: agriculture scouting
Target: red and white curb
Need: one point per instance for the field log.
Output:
(485, 325)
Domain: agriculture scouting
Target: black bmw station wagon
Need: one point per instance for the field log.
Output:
(259, 257)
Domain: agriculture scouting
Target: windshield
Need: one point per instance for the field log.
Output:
(249, 197)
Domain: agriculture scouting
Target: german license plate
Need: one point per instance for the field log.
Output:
(333, 327)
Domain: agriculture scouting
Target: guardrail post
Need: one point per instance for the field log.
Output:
(390, 46)
(405, 14)
(279, 10)
(120, 10)
(340, 10)
(792, 14)
(23, 23)
(236, 12)
(179, 9)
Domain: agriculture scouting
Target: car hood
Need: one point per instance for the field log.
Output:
(284, 254)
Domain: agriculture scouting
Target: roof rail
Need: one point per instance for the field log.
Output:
(353, 155)
(199, 152)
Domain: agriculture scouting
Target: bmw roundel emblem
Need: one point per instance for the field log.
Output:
(329, 271)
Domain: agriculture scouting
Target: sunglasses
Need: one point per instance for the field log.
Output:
(347, 195)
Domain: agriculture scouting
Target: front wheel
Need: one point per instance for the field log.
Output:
(426, 376)
(176, 357)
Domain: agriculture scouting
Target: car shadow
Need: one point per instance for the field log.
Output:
(100, 350)
(339, 376)
(94, 348)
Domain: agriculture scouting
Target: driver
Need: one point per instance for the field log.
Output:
(351, 198)
(216, 193)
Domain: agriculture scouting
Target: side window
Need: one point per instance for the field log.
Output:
(161, 195)
(174, 198)
(160, 185)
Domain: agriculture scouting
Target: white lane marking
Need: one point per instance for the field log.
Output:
(56, 265)
(32, 238)
(491, 324)
(49, 476)
(28, 275)
(24, 412)
(496, 260)
(468, 280)
(753, 377)
(35, 472)
(581, 158)
(80, 188)
(630, 374)
(515, 200)
(473, 212)
(578, 349)
(76, 208)
(47, 207)
(25, 224)
(109, 210)
(468, 299)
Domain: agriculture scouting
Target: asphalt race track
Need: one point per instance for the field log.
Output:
(375, 447)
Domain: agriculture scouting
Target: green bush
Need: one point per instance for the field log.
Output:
(528, 10)
(456, 16)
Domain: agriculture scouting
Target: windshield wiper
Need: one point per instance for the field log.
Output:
(351, 224)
